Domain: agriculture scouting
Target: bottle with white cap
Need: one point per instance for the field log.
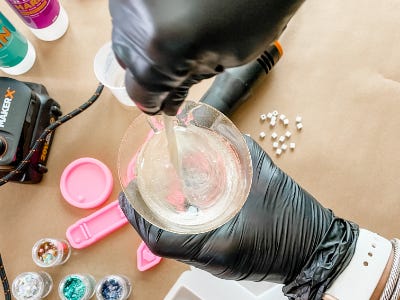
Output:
(17, 54)
(47, 19)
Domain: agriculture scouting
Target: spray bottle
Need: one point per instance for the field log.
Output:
(236, 85)
(47, 19)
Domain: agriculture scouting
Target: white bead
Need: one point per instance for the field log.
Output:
(262, 134)
(288, 134)
(278, 152)
(292, 146)
(275, 113)
(263, 117)
(269, 115)
(282, 138)
(282, 117)
(299, 126)
(286, 122)
(275, 145)
(284, 147)
(272, 122)
(298, 119)
(274, 135)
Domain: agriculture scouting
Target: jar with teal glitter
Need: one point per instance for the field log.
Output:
(77, 287)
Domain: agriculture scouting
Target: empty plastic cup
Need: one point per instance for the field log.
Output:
(110, 73)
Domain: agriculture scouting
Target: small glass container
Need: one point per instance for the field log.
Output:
(77, 287)
(49, 252)
(32, 285)
(113, 287)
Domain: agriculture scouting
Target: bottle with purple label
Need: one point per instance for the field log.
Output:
(47, 19)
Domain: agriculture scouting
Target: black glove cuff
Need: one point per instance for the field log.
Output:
(329, 259)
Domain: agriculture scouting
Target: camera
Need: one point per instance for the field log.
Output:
(26, 109)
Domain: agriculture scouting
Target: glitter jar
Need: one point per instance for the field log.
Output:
(50, 252)
(77, 287)
(113, 287)
(32, 285)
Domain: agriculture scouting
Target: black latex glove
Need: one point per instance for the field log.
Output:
(167, 46)
(282, 234)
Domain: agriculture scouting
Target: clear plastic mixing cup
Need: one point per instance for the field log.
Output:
(199, 189)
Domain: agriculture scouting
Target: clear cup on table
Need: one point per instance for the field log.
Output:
(111, 75)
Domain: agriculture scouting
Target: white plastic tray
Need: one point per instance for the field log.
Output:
(196, 284)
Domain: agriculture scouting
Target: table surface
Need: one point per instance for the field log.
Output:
(340, 72)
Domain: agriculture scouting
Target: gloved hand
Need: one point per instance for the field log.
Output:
(282, 234)
(167, 46)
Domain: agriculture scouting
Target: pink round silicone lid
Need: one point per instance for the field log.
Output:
(86, 183)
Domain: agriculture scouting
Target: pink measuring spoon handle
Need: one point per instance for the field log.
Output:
(97, 225)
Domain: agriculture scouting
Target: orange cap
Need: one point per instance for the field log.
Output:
(279, 47)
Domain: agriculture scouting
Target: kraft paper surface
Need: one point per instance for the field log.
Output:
(340, 72)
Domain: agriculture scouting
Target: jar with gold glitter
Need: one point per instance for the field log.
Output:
(50, 252)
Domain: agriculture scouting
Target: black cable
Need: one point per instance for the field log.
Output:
(4, 281)
(23, 163)
(48, 130)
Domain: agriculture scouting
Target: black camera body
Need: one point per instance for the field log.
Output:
(26, 110)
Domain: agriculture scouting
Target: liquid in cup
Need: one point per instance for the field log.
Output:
(213, 178)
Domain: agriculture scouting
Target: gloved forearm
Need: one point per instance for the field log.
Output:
(282, 234)
(167, 46)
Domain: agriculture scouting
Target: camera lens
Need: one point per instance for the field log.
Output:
(3, 146)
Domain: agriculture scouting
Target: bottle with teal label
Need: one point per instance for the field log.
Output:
(17, 54)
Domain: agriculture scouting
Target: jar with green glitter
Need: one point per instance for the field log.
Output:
(77, 287)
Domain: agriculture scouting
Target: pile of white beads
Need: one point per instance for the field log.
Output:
(280, 142)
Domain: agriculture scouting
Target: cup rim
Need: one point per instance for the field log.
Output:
(131, 190)
(104, 51)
